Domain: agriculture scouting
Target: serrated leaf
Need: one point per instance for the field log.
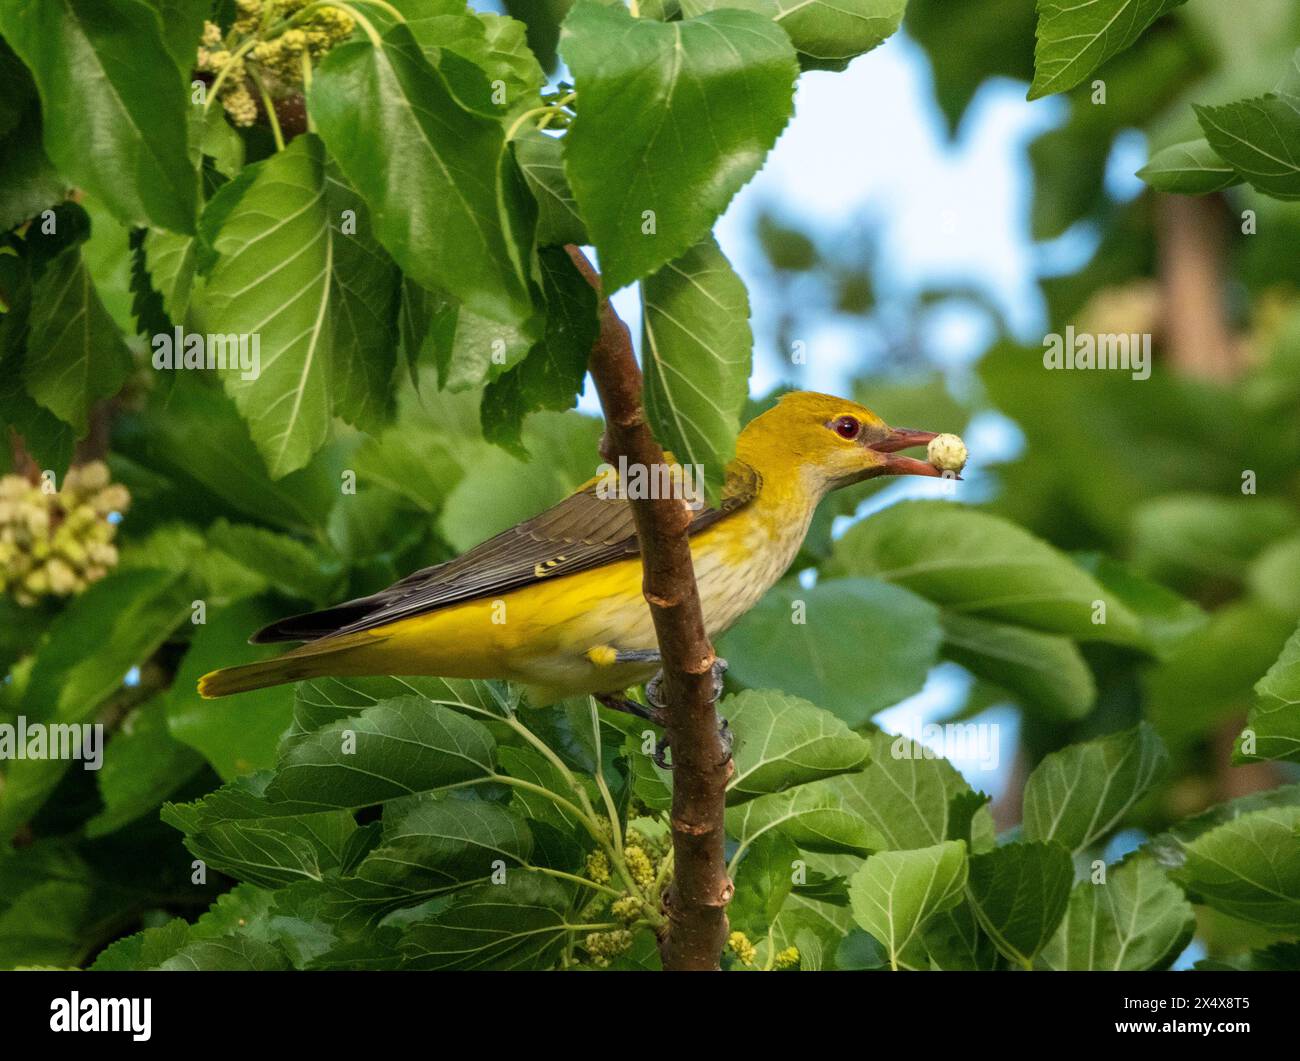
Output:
(977, 564)
(1190, 168)
(541, 160)
(550, 376)
(695, 343)
(170, 258)
(809, 642)
(906, 795)
(75, 353)
(826, 34)
(1257, 137)
(238, 831)
(272, 282)
(812, 815)
(1074, 39)
(396, 748)
(113, 102)
(364, 293)
(1079, 794)
(1273, 724)
(1019, 893)
(781, 741)
(647, 89)
(895, 893)
(1248, 867)
(1135, 919)
(430, 847)
(435, 173)
(521, 924)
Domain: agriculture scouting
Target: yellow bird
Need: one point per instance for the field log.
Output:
(555, 603)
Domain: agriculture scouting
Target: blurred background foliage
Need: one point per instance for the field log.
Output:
(1140, 482)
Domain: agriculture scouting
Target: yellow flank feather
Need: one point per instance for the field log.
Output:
(561, 636)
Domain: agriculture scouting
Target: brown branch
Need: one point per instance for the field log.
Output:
(696, 902)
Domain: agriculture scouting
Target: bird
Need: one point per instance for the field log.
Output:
(555, 603)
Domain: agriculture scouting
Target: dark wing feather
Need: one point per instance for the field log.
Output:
(581, 532)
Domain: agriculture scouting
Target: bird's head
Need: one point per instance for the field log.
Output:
(833, 442)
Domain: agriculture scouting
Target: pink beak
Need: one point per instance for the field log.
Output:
(896, 464)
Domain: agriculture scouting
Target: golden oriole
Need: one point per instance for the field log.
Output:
(555, 603)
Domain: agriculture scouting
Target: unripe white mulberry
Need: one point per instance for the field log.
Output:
(947, 453)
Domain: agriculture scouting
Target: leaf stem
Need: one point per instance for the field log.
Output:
(269, 106)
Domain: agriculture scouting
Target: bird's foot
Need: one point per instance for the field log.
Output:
(654, 687)
(725, 734)
(654, 694)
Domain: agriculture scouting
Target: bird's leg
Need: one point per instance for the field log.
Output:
(654, 694)
(618, 702)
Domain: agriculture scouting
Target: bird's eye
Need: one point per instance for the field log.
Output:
(846, 427)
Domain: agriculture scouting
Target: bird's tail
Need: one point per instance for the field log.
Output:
(314, 660)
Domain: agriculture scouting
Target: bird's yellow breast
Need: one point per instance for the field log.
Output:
(541, 635)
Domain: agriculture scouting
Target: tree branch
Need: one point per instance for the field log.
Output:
(696, 902)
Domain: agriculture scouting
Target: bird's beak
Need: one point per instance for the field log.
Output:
(895, 464)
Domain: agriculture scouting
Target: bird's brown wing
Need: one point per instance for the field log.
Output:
(583, 531)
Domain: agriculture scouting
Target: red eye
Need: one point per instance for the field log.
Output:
(847, 427)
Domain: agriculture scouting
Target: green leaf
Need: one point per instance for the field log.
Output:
(521, 924)
(1045, 672)
(1210, 676)
(812, 815)
(170, 257)
(444, 196)
(813, 643)
(1258, 137)
(1134, 919)
(895, 893)
(695, 345)
(551, 375)
(113, 104)
(196, 436)
(977, 564)
(541, 160)
(763, 881)
(430, 847)
(1273, 725)
(30, 181)
(143, 765)
(1248, 868)
(1075, 39)
(635, 157)
(237, 735)
(782, 741)
(75, 354)
(1183, 538)
(906, 795)
(238, 831)
(1019, 893)
(1079, 794)
(395, 748)
(272, 284)
(826, 34)
(954, 940)
(1166, 617)
(365, 287)
(1190, 168)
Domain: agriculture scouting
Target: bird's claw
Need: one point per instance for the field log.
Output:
(654, 687)
(725, 735)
